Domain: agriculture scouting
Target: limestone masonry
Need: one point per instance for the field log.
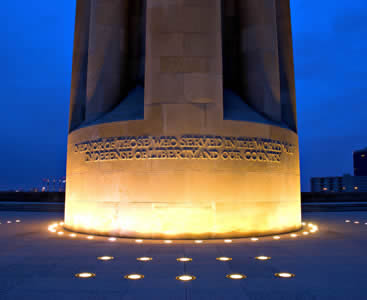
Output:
(183, 120)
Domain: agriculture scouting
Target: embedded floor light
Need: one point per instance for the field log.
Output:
(347, 221)
(305, 233)
(236, 276)
(85, 275)
(61, 223)
(276, 237)
(262, 257)
(356, 222)
(228, 241)
(60, 233)
(17, 221)
(293, 235)
(112, 239)
(138, 241)
(73, 235)
(8, 222)
(105, 258)
(198, 242)
(303, 223)
(184, 259)
(90, 237)
(284, 275)
(185, 278)
(254, 239)
(144, 258)
(168, 242)
(224, 258)
(134, 276)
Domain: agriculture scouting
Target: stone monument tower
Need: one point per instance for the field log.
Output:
(183, 120)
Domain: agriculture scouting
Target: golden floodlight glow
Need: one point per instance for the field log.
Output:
(168, 242)
(139, 241)
(105, 258)
(228, 241)
(261, 257)
(184, 259)
(134, 276)
(112, 239)
(304, 223)
(144, 258)
(276, 237)
(73, 235)
(85, 275)
(60, 233)
(293, 235)
(254, 239)
(236, 276)
(284, 275)
(185, 278)
(61, 223)
(224, 258)
(305, 233)
(198, 242)
(90, 237)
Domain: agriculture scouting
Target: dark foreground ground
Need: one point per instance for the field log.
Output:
(38, 264)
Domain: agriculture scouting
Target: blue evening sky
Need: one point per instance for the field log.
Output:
(36, 54)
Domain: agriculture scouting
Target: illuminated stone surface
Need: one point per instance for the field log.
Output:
(208, 148)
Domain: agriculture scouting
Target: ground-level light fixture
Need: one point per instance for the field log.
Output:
(356, 222)
(254, 239)
(184, 259)
(228, 241)
(198, 242)
(73, 235)
(224, 258)
(185, 278)
(85, 275)
(262, 257)
(134, 276)
(168, 242)
(112, 239)
(105, 258)
(347, 221)
(17, 221)
(293, 235)
(144, 258)
(305, 233)
(138, 241)
(60, 233)
(284, 275)
(276, 237)
(236, 276)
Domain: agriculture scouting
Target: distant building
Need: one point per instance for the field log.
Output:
(346, 183)
(360, 162)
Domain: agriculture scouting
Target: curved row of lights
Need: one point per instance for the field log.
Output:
(355, 222)
(10, 222)
(181, 259)
(186, 277)
(307, 229)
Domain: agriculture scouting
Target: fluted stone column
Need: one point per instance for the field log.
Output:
(80, 64)
(259, 51)
(184, 65)
(286, 65)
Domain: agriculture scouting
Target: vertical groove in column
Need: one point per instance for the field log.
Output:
(80, 64)
(108, 57)
(260, 62)
(286, 64)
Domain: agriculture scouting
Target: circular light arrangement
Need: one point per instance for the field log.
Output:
(185, 278)
(262, 257)
(134, 276)
(138, 241)
(184, 259)
(105, 258)
(276, 237)
(236, 276)
(112, 239)
(224, 258)
(228, 241)
(144, 259)
(284, 275)
(85, 275)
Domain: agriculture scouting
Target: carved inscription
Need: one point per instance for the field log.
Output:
(184, 147)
